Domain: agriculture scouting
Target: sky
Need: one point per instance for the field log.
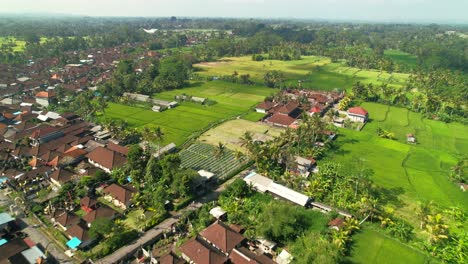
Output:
(437, 11)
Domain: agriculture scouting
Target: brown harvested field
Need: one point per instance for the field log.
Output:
(229, 133)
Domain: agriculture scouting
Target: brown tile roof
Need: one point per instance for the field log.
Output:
(122, 193)
(43, 131)
(67, 219)
(281, 119)
(170, 258)
(62, 175)
(288, 108)
(243, 256)
(267, 105)
(101, 212)
(107, 158)
(222, 236)
(88, 202)
(80, 231)
(118, 148)
(12, 248)
(201, 253)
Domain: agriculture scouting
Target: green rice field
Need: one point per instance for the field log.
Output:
(181, 122)
(373, 247)
(412, 172)
(315, 72)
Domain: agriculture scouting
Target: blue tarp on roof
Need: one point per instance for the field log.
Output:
(3, 179)
(3, 241)
(5, 218)
(73, 243)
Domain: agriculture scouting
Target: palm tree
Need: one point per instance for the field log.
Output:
(423, 210)
(159, 136)
(219, 152)
(437, 229)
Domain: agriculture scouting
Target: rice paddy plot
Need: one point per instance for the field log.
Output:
(373, 247)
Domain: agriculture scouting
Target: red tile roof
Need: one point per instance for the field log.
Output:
(315, 109)
(88, 202)
(45, 94)
(357, 111)
(222, 236)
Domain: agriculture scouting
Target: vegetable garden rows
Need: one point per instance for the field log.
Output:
(202, 157)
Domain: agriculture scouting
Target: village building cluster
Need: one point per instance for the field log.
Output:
(286, 108)
(15, 245)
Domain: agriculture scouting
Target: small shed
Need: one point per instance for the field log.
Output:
(410, 138)
(284, 257)
(217, 212)
(336, 223)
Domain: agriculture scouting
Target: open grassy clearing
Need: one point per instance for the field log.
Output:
(315, 72)
(411, 172)
(203, 157)
(180, 123)
(257, 69)
(229, 133)
(17, 45)
(373, 247)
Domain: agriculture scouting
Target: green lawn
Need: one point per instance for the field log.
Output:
(411, 172)
(180, 123)
(372, 247)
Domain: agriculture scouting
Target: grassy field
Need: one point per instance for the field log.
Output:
(315, 72)
(411, 172)
(180, 123)
(230, 132)
(372, 247)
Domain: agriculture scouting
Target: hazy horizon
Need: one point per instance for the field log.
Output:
(426, 11)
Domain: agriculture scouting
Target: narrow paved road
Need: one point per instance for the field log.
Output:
(36, 234)
(153, 234)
